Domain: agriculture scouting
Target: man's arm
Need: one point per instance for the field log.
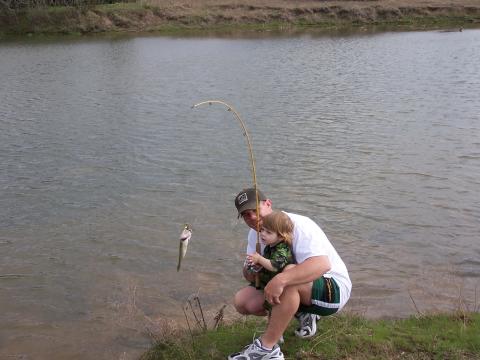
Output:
(303, 273)
(307, 271)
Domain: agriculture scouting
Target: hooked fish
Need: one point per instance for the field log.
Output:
(184, 238)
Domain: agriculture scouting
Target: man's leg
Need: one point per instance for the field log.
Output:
(279, 320)
(249, 301)
(307, 322)
(284, 312)
(325, 300)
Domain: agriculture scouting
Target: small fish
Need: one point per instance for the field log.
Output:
(184, 238)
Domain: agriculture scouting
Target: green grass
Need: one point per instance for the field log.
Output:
(443, 336)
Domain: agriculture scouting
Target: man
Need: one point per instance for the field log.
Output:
(318, 284)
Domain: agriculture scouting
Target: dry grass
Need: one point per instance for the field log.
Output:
(311, 12)
(308, 3)
(128, 314)
(175, 15)
(446, 292)
(250, 6)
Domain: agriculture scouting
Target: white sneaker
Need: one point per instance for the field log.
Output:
(255, 351)
(308, 324)
(281, 340)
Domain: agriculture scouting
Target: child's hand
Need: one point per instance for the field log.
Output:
(251, 264)
(254, 259)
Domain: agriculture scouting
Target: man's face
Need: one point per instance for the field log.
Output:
(250, 216)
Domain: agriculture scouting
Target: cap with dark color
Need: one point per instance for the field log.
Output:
(245, 200)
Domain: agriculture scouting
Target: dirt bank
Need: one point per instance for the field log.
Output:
(167, 16)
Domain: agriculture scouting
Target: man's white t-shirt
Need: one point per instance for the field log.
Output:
(308, 241)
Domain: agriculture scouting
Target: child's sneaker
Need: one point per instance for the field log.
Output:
(255, 351)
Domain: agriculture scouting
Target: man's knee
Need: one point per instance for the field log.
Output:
(302, 291)
(288, 267)
(239, 302)
(247, 301)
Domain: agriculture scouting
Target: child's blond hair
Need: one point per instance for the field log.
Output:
(279, 222)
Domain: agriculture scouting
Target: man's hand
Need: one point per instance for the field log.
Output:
(274, 290)
(248, 275)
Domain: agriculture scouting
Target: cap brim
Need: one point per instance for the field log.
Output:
(247, 206)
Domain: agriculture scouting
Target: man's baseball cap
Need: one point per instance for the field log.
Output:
(245, 200)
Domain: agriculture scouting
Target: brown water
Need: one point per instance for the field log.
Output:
(376, 137)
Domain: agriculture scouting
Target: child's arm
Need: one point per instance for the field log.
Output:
(259, 259)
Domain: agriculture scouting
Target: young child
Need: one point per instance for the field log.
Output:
(276, 234)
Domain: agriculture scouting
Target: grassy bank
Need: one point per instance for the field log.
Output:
(183, 15)
(443, 336)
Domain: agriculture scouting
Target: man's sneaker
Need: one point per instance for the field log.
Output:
(308, 324)
(255, 351)
(281, 340)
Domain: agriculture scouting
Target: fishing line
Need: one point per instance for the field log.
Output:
(252, 166)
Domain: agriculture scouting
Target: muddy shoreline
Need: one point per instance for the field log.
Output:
(225, 15)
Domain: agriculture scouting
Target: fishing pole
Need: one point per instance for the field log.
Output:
(252, 165)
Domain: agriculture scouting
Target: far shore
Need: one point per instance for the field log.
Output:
(183, 16)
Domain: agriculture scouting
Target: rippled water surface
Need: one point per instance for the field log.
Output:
(102, 159)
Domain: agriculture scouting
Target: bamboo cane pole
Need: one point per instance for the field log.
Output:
(252, 166)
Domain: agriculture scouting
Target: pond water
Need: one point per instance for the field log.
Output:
(102, 159)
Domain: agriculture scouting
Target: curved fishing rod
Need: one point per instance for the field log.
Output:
(252, 164)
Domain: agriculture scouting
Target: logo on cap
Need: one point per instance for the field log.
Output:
(242, 198)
